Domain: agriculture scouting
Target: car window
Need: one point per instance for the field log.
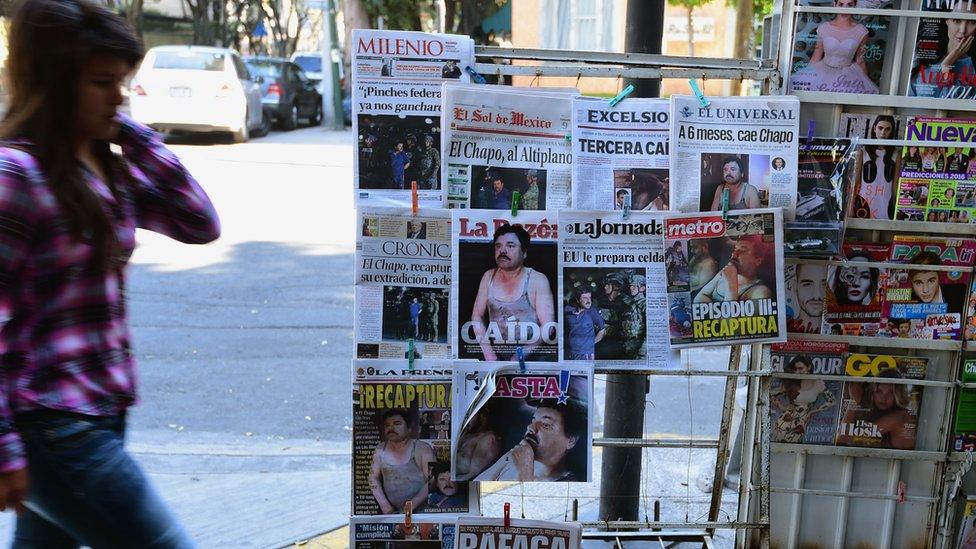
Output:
(293, 75)
(189, 60)
(267, 69)
(242, 72)
(300, 74)
(310, 63)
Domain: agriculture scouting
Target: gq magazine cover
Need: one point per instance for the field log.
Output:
(877, 413)
(725, 277)
(492, 533)
(531, 425)
(805, 411)
(393, 533)
(504, 285)
(401, 440)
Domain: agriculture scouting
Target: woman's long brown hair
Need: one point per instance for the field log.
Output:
(49, 42)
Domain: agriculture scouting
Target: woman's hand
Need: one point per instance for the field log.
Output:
(956, 53)
(13, 490)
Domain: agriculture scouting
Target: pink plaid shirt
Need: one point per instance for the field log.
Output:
(64, 339)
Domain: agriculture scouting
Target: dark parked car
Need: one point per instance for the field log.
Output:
(286, 93)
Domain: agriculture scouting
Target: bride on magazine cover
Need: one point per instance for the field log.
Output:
(837, 63)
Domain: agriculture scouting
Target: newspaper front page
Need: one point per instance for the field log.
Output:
(725, 278)
(533, 424)
(504, 285)
(745, 145)
(500, 140)
(612, 312)
(393, 533)
(489, 532)
(401, 442)
(403, 282)
(396, 103)
(620, 154)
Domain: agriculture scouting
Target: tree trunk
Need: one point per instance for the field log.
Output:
(450, 16)
(133, 16)
(355, 17)
(691, 32)
(744, 35)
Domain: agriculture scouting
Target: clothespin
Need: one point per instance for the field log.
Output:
(408, 514)
(725, 203)
(902, 498)
(516, 197)
(507, 519)
(475, 77)
(520, 356)
(810, 126)
(627, 206)
(414, 199)
(622, 95)
(702, 100)
(410, 353)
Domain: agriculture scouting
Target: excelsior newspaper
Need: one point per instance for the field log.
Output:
(620, 154)
(401, 442)
(403, 282)
(531, 424)
(744, 145)
(392, 533)
(492, 533)
(612, 313)
(725, 278)
(500, 140)
(396, 102)
(504, 285)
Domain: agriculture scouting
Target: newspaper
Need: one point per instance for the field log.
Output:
(527, 425)
(396, 104)
(725, 278)
(746, 145)
(403, 282)
(401, 440)
(611, 313)
(621, 153)
(500, 140)
(393, 533)
(492, 533)
(504, 285)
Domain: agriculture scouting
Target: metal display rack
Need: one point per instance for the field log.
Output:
(539, 63)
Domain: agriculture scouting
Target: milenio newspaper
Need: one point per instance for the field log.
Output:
(393, 533)
(613, 301)
(396, 102)
(493, 533)
(620, 154)
(504, 285)
(403, 282)
(532, 424)
(401, 431)
(744, 145)
(725, 277)
(500, 140)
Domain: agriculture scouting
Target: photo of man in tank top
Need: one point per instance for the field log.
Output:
(401, 465)
(745, 275)
(517, 300)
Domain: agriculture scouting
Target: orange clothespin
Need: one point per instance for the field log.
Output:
(902, 498)
(408, 514)
(414, 200)
(507, 520)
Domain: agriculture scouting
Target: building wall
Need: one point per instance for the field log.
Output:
(714, 22)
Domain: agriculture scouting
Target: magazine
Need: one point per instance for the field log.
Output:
(740, 148)
(393, 533)
(964, 438)
(954, 252)
(742, 298)
(852, 304)
(401, 433)
(504, 285)
(613, 288)
(967, 530)
(938, 184)
(879, 414)
(493, 533)
(533, 424)
(923, 304)
(805, 411)
(872, 126)
(821, 180)
(403, 282)
(942, 66)
(500, 140)
(396, 112)
(621, 154)
(806, 284)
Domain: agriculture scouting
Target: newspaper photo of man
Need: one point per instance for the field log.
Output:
(395, 151)
(492, 188)
(730, 173)
(414, 313)
(583, 325)
(747, 274)
(401, 464)
(444, 492)
(604, 313)
(513, 297)
(648, 188)
(808, 282)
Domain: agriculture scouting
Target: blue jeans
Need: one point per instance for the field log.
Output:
(85, 489)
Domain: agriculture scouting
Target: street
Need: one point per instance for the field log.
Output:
(244, 348)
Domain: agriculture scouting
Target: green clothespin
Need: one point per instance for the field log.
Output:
(702, 100)
(725, 203)
(410, 353)
(516, 197)
(622, 95)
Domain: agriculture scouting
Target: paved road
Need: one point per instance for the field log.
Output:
(244, 349)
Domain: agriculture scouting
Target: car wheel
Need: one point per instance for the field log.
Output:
(291, 121)
(243, 134)
(316, 119)
(265, 126)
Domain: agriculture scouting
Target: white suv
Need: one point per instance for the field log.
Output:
(197, 89)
